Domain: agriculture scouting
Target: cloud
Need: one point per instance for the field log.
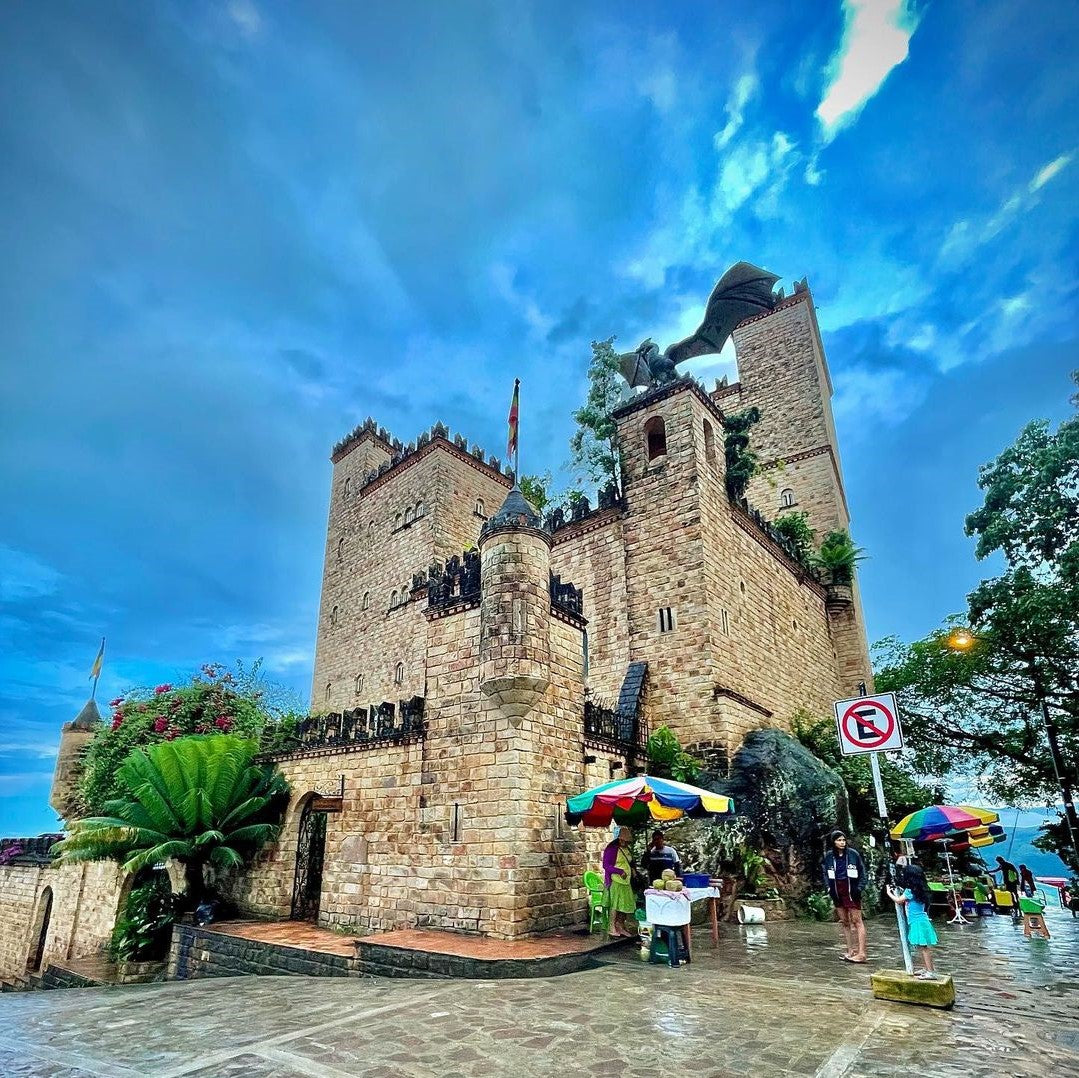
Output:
(747, 169)
(246, 16)
(1047, 172)
(876, 39)
(22, 576)
(744, 89)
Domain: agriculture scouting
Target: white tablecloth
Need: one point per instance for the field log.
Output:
(697, 893)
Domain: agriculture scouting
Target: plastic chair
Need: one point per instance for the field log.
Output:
(598, 912)
(670, 938)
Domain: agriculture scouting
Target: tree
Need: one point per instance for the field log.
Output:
(200, 800)
(536, 489)
(741, 460)
(994, 709)
(216, 701)
(594, 445)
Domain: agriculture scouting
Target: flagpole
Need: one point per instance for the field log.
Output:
(517, 440)
(97, 668)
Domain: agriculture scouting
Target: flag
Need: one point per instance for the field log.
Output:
(511, 444)
(96, 669)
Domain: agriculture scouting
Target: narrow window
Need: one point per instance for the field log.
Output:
(419, 510)
(348, 487)
(397, 521)
(725, 621)
(666, 619)
(709, 443)
(399, 673)
(404, 594)
(655, 434)
(480, 510)
(786, 499)
(742, 585)
(327, 692)
(408, 515)
(366, 600)
(370, 531)
(340, 549)
(584, 652)
(358, 688)
(393, 600)
(333, 616)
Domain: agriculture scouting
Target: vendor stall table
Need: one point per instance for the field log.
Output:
(671, 908)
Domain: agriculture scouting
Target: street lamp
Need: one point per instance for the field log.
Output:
(962, 640)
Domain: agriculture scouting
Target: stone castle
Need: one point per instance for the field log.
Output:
(476, 664)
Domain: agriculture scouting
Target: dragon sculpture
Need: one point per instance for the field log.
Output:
(743, 291)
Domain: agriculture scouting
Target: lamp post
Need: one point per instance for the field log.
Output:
(962, 640)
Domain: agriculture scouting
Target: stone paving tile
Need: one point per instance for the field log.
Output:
(771, 1001)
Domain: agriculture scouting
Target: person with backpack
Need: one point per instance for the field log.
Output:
(845, 877)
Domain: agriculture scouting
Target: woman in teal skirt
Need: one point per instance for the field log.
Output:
(920, 931)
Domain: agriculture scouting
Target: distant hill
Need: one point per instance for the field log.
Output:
(1022, 828)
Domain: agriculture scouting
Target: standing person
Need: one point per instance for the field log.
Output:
(659, 857)
(844, 876)
(1009, 879)
(920, 932)
(1026, 881)
(617, 878)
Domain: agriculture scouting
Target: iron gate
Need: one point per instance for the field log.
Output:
(310, 852)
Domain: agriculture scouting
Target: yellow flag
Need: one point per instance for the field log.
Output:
(96, 669)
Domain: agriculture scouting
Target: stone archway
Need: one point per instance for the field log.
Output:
(310, 856)
(40, 934)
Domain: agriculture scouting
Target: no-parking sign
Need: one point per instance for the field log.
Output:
(868, 724)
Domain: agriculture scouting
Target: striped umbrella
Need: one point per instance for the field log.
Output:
(641, 799)
(940, 820)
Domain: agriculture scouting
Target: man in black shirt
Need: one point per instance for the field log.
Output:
(659, 856)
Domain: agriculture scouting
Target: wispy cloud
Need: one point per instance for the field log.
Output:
(744, 89)
(876, 39)
(22, 576)
(246, 16)
(1047, 172)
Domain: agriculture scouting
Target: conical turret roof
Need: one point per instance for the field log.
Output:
(516, 512)
(87, 719)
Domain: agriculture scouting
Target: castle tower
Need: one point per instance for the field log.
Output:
(75, 736)
(515, 612)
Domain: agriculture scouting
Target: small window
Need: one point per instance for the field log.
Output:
(786, 499)
(366, 600)
(725, 621)
(666, 619)
(333, 616)
(584, 652)
(358, 687)
(348, 487)
(327, 692)
(399, 673)
(481, 510)
(742, 585)
(340, 549)
(794, 623)
(419, 510)
(709, 443)
(371, 531)
(398, 520)
(408, 515)
(655, 435)
(404, 594)
(393, 600)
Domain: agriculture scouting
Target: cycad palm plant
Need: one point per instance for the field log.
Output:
(201, 800)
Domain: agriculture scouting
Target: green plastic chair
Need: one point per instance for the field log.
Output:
(1030, 905)
(598, 912)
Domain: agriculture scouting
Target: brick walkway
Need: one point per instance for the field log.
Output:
(773, 1000)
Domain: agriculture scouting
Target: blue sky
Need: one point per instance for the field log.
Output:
(232, 230)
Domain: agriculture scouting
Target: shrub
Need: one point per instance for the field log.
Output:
(143, 931)
(667, 759)
(794, 527)
(839, 556)
(820, 905)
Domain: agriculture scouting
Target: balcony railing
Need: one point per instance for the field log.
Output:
(614, 729)
(357, 728)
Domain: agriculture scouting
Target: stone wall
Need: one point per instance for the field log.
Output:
(85, 902)
(378, 536)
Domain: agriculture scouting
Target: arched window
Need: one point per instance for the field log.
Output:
(348, 487)
(393, 600)
(340, 548)
(366, 600)
(370, 531)
(399, 673)
(333, 616)
(405, 593)
(786, 499)
(327, 692)
(358, 687)
(709, 443)
(419, 510)
(481, 510)
(655, 436)
(408, 515)
(397, 521)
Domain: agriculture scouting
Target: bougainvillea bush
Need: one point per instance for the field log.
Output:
(217, 701)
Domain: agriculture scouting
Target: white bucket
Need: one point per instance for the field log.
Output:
(750, 915)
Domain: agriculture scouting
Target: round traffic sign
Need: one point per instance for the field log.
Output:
(880, 724)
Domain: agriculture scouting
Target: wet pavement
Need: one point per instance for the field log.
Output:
(772, 1000)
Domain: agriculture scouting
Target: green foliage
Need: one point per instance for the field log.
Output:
(201, 800)
(838, 555)
(741, 460)
(594, 445)
(667, 759)
(794, 527)
(143, 931)
(536, 489)
(820, 905)
(754, 869)
(216, 701)
(903, 791)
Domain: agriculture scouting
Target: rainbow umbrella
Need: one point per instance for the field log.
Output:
(639, 800)
(940, 820)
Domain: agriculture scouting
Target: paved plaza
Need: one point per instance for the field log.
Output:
(772, 1000)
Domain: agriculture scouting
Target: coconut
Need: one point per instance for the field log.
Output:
(659, 884)
(669, 874)
(674, 885)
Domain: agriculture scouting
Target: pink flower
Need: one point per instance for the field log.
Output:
(117, 702)
(117, 721)
(172, 733)
(160, 725)
(223, 723)
(162, 689)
